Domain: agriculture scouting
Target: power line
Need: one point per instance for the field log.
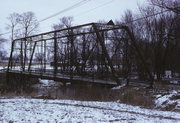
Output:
(94, 8)
(158, 13)
(146, 17)
(4, 33)
(85, 12)
(67, 9)
(60, 12)
(85, 1)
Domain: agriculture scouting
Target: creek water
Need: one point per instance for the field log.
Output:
(48, 89)
(72, 91)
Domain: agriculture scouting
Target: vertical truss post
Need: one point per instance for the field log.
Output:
(44, 55)
(25, 53)
(30, 63)
(100, 40)
(55, 53)
(30, 50)
(10, 58)
(72, 53)
(41, 54)
(21, 52)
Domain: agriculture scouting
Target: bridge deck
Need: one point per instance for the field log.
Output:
(65, 78)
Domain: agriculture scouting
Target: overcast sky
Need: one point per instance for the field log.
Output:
(91, 11)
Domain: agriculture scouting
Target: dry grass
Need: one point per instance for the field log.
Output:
(139, 96)
(3, 64)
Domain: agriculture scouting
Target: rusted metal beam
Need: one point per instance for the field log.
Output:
(11, 55)
(30, 62)
(75, 27)
(79, 26)
(100, 40)
(21, 53)
(45, 56)
(55, 54)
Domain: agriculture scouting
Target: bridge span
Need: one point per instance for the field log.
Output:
(94, 52)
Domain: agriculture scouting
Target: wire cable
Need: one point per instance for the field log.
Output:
(146, 17)
(85, 1)
(94, 8)
(67, 9)
(82, 2)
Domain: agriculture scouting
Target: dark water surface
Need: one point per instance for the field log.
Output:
(48, 89)
(74, 91)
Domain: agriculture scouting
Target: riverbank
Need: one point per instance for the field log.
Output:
(23, 110)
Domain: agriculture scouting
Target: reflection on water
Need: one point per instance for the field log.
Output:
(48, 89)
(55, 90)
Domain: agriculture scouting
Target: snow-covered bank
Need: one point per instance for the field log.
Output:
(170, 100)
(22, 110)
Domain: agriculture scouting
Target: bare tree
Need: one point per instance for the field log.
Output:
(173, 5)
(28, 24)
(3, 53)
(23, 25)
(2, 40)
(64, 22)
(67, 51)
(14, 19)
(134, 60)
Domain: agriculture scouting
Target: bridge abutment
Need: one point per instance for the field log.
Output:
(19, 82)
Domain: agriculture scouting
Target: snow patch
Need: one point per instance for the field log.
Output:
(166, 100)
(71, 111)
(118, 87)
(175, 82)
(3, 67)
(45, 82)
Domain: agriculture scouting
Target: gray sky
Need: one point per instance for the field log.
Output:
(105, 10)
